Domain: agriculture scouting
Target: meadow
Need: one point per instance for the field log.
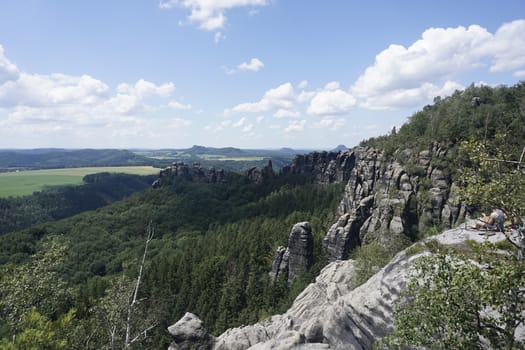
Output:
(26, 182)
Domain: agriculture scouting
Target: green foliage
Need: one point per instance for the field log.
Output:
(212, 255)
(39, 332)
(451, 120)
(54, 159)
(490, 178)
(35, 302)
(457, 301)
(370, 258)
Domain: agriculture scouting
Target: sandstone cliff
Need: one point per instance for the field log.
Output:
(331, 313)
(383, 201)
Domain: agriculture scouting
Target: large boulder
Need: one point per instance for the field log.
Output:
(189, 334)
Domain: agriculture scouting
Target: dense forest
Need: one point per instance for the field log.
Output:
(210, 245)
(478, 113)
(57, 158)
(211, 252)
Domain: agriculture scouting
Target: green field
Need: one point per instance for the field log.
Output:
(26, 182)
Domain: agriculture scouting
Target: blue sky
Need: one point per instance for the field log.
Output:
(243, 73)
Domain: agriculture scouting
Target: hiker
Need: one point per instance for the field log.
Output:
(492, 222)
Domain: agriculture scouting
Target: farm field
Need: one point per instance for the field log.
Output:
(26, 182)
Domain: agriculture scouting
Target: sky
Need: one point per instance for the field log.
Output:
(306, 74)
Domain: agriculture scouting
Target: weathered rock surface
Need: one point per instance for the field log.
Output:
(334, 314)
(194, 173)
(189, 334)
(297, 257)
(260, 175)
(326, 167)
(383, 200)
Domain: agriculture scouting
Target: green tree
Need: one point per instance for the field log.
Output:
(457, 301)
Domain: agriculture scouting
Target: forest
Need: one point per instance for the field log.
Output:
(66, 282)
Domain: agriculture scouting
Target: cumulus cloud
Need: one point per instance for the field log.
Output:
(60, 103)
(295, 126)
(331, 123)
(331, 101)
(286, 113)
(45, 90)
(431, 63)
(303, 84)
(209, 15)
(254, 65)
(130, 98)
(177, 105)
(507, 47)
(8, 70)
(282, 96)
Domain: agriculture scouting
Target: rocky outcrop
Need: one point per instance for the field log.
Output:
(326, 167)
(260, 175)
(297, 257)
(387, 200)
(193, 173)
(332, 313)
(189, 334)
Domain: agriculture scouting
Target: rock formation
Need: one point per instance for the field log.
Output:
(260, 175)
(332, 313)
(193, 173)
(326, 167)
(297, 257)
(385, 200)
(189, 334)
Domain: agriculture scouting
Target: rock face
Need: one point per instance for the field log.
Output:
(332, 313)
(383, 201)
(297, 257)
(189, 334)
(260, 175)
(327, 167)
(194, 173)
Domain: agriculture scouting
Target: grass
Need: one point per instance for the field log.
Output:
(26, 182)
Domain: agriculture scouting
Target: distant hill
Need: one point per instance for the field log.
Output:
(59, 158)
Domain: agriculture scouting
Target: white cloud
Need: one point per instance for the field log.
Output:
(410, 97)
(239, 123)
(247, 128)
(432, 62)
(218, 37)
(331, 102)
(281, 97)
(178, 123)
(8, 70)
(507, 47)
(519, 73)
(331, 123)
(209, 14)
(254, 65)
(286, 113)
(303, 84)
(177, 105)
(331, 86)
(295, 126)
(53, 89)
(130, 98)
(259, 118)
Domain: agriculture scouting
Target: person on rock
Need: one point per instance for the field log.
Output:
(492, 222)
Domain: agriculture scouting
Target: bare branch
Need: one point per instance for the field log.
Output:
(151, 233)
